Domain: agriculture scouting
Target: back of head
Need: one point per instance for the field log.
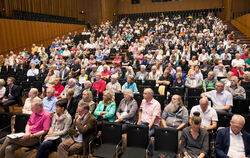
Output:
(196, 119)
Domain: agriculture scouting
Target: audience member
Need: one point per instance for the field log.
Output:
(208, 115)
(149, 113)
(232, 141)
(87, 98)
(33, 94)
(175, 114)
(60, 124)
(58, 87)
(236, 90)
(222, 100)
(105, 110)
(37, 126)
(99, 85)
(130, 84)
(82, 131)
(11, 96)
(49, 102)
(194, 140)
(2, 89)
(210, 82)
(127, 109)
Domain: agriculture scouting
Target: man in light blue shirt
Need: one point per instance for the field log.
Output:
(224, 54)
(35, 60)
(49, 102)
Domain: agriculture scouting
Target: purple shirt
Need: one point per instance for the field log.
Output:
(39, 122)
(150, 109)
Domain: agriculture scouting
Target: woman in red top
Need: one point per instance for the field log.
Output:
(99, 85)
(117, 60)
(238, 72)
(105, 73)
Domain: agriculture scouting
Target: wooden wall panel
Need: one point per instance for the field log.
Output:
(18, 34)
(67, 8)
(108, 9)
(125, 6)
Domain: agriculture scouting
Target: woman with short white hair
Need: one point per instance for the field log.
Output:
(33, 94)
(126, 112)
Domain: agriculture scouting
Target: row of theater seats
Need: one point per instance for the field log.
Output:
(165, 139)
(193, 13)
(23, 15)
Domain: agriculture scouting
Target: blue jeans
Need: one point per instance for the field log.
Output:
(151, 133)
(47, 147)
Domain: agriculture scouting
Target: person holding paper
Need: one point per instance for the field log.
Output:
(37, 126)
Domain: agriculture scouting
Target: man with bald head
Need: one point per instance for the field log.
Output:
(232, 142)
(149, 113)
(208, 115)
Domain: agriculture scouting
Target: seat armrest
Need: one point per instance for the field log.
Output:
(117, 148)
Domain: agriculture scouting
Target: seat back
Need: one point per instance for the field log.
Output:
(118, 98)
(5, 122)
(20, 122)
(151, 83)
(166, 139)
(224, 119)
(240, 106)
(137, 136)
(192, 101)
(138, 82)
(179, 91)
(111, 133)
(247, 124)
(38, 85)
(161, 99)
(138, 98)
(194, 92)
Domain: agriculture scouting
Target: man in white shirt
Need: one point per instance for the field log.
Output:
(222, 99)
(232, 142)
(203, 56)
(33, 71)
(238, 61)
(208, 115)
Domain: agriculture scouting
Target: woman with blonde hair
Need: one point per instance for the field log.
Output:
(87, 98)
(245, 83)
(49, 81)
(129, 71)
(105, 110)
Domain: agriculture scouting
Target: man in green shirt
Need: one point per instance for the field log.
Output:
(247, 62)
(210, 82)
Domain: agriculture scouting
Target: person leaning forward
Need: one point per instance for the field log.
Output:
(82, 131)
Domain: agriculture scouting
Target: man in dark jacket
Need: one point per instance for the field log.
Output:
(12, 95)
(231, 141)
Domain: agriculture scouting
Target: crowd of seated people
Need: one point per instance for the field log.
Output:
(79, 86)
